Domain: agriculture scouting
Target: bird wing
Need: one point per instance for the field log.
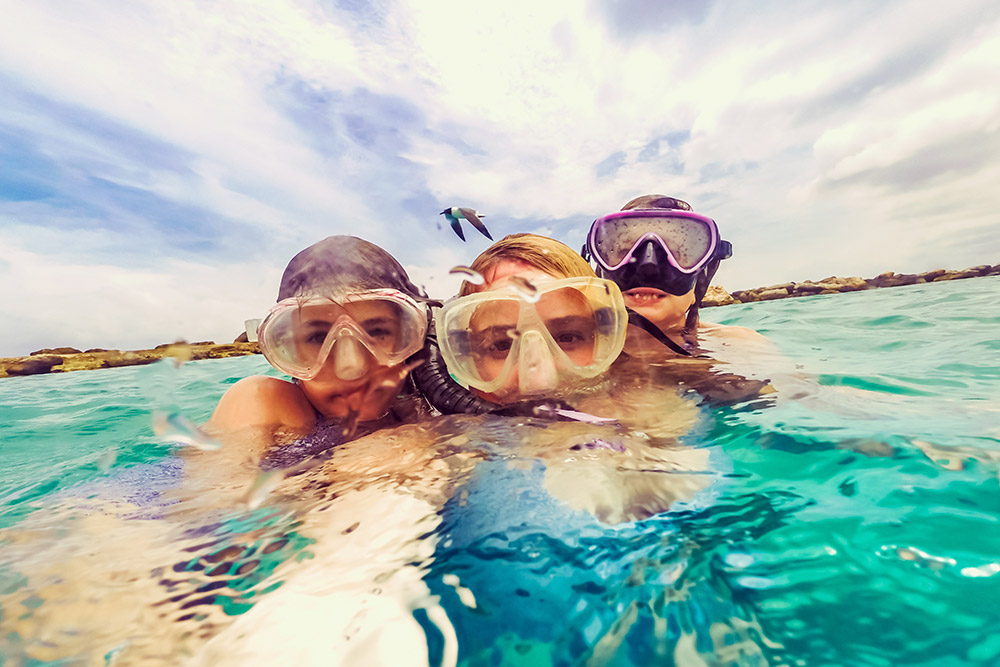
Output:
(473, 218)
(457, 226)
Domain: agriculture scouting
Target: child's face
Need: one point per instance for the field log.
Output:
(565, 314)
(351, 380)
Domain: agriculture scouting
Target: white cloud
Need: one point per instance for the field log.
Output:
(806, 125)
(52, 301)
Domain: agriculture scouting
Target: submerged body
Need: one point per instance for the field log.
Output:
(790, 517)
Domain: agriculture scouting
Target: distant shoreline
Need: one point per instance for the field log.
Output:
(718, 296)
(65, 359)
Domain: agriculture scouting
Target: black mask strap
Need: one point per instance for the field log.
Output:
(654, 331)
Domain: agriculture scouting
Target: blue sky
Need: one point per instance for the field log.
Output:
(161, 162)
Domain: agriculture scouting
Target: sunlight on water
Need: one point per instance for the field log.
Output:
(850, 517)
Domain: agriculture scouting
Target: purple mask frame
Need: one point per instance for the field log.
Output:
(654, 213)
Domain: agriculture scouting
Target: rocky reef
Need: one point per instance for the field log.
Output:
(717, 296)
(62, 359)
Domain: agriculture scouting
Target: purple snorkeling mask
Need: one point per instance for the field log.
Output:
(688, 239)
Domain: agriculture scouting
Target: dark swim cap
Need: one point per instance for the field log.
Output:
(341, 264)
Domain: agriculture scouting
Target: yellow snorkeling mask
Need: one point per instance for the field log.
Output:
(546, 335)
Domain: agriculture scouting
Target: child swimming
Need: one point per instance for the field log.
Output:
(346, 327)
(540, 321)
(663, 256)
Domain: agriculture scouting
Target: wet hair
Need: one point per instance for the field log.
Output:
(657, 201)
(544, 253)
(704, 276)
(339, 264)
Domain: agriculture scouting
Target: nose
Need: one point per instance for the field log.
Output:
(536, 369)
(350, 358)
(649, 261)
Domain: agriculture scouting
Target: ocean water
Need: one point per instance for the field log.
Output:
(852, 518)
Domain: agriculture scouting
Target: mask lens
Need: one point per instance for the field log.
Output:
(579, 323)
(296, 337)
(569, 318)
(391, 329)
(688, 239)
(493, 329)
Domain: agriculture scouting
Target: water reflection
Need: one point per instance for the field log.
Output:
(709, 522)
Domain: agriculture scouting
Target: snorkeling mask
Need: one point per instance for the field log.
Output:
(661, 248)
(300, 333)
(547, 333)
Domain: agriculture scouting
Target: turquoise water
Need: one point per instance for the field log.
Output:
(855, 520)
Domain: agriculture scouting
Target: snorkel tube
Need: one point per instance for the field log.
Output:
(439, 389)
(447, 396)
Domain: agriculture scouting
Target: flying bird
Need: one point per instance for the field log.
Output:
(455, 214)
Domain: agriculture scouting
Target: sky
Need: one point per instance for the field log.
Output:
(160, 162)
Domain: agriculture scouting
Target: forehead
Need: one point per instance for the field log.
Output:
(501, 274)
(358, 310)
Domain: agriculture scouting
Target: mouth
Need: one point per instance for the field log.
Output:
(641, 296)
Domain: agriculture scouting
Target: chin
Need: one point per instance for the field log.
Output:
(492, 398)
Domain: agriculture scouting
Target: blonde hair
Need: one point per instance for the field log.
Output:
(551, 256)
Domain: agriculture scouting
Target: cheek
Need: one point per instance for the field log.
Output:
(490, 364)
(582, 357)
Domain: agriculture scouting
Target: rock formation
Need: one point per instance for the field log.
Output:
(61, 359)
(58, 360)
(834, 285)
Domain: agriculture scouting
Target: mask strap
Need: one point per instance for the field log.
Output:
(654, 331)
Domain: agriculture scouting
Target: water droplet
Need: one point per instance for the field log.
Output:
(251, 327)
(175, 428)
(107, 459)
(524, 287)
(262, 486)
(468, 274)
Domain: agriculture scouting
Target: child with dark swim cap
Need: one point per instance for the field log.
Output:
(347, 323)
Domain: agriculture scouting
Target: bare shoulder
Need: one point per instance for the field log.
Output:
(260, 400)
(731, 332)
